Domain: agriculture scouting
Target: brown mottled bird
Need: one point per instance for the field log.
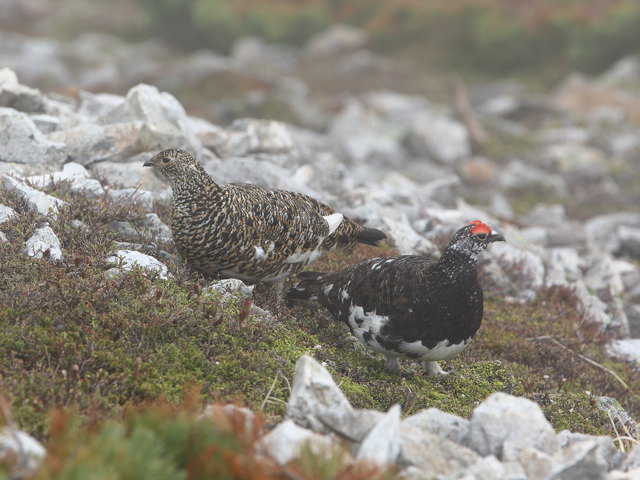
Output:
(247, 231)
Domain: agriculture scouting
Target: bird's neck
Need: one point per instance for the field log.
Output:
(459, 264)
(193, 181)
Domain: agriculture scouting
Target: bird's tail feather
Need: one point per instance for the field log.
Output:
(306, 288)
(371, 236)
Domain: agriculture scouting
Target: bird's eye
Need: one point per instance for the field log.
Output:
(481, 236)
(166, 159)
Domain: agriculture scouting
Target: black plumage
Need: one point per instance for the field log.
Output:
(408, 306)
(247, 231)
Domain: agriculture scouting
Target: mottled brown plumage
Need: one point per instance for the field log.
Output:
(246, 231)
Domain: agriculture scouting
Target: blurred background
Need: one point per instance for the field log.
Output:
(545, 90)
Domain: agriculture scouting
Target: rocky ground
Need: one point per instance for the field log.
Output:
(107, 315)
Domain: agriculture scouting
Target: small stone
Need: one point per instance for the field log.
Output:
(129, 259)
(382, 444)
(503, 425)
(285, 442)
(36, 200)
(26, 451)
(44, 244)
(444, 425)
(233, 286)
(6, 213)
(316, 401)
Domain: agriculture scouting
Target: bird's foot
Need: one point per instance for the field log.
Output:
(392, 364)
(434, 369)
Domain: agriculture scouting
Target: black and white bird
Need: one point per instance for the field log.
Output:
(408, 306)
(247, 231)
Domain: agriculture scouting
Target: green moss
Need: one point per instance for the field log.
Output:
(71, 335)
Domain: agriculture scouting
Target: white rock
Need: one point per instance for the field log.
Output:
(503, 425)
(36, 200)
(590, 308)
(519, 175)
(285, 442)
(89, 143)
(28, 451)
(632, 460)
(382, 444)
(129, 259)
(6, 213)
(15, 95)
(231, 285)
(406, 239)
(606, 449)
(365, 135)
(524, 268)
(489, 468)
(444, 425)
(562, 266)
(625, 349)
(95, 105)
(77, 177)
(22, 142)
(602, 230)
(316, 401)
(438, 136)
(164, 120)
(156, 227)
(44, 239)
(629, 240)
(431, 453)
(581, 460)
(3, 238)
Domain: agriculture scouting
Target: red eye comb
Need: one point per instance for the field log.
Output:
(480, 227)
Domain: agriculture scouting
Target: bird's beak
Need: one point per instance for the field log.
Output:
(495, 237)
(148, 163)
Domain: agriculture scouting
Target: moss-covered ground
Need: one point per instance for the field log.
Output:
(74, 335)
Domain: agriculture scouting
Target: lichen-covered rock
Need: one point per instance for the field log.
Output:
(129, 259)
(44, 243)
(503, 425)
(36, 200)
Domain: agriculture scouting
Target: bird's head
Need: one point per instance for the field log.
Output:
(178, 166)
(472, 239)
